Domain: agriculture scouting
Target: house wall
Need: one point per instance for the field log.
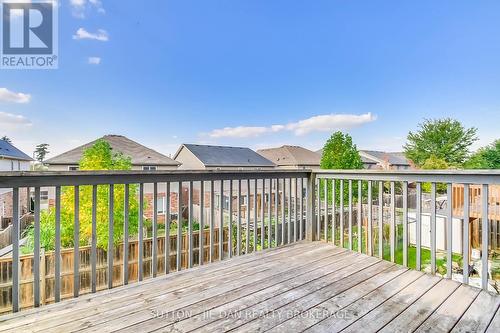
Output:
(189, 160)
(7, 164)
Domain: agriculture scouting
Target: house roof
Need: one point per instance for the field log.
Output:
(139, 154)
(7, 150)
(393, 158)
(221, 156)
(291, 155)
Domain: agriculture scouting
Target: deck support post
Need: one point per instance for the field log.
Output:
(311, 232)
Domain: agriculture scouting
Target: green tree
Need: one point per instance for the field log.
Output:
(434, 163)
(97, 157)
(41, 151)
(485, 158)
(340, 152)
(447, 139)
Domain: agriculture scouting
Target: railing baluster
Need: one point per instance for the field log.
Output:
(262, 215)
(433, 227)
(289, 226)
(269, 201)
(276, 212)
(295, 209)
(341, 211)
(212, 220)
(238, 228)
(168, 221)
(140, 236)
(76, 244)
(381, 220)
(301, 194)
(350, 214)
(325, 222)
(449, 230)
(369, 238)
(466, 235)
(418, 264)
(311, 234)
(201, 232)
(334, 211)
(318, 205)
(15, 249)
(154, 259)
(36, 250)
(125, 233)
(405, 224)
(57, 268)
(255, 217)
(393, 222)
(111, 208)
(484, 237)
(190, 225)
(179, 228)
(360, 207)
(93, 242)
(247, 217)
(230, 227)
(221, 221)
(283, 217)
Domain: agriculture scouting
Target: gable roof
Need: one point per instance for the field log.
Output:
(7, 150)
(224, 156)
(395, 158)
(139, 154)
(291, 156)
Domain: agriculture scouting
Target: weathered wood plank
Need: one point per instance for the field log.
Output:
(203, 272)
(495, 323)
(479, 315)
(335, 305)
(419, 311)
(446, 316)
(383, 314)
(365, 304)
(255, 318)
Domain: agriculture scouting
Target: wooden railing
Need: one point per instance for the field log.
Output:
(385, 231)
(400, 216)
(276, 221)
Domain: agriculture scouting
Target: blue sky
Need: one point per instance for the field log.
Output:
(258, 73)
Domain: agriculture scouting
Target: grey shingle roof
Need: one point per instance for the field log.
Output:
(220, 156)
(7, 150)
(397, 158)
(139, 154)
(291, 156)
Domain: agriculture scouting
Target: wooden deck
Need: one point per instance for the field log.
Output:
(313, 287)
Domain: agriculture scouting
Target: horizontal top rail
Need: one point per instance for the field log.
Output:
(437, 176)
(71, 178)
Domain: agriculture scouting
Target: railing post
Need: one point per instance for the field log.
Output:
(310, 217)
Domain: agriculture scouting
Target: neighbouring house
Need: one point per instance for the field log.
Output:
(12, 159)
(373, 159)
(143, 158)
(205, 157)
(292, 157)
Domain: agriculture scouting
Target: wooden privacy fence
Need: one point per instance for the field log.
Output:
(47, 264)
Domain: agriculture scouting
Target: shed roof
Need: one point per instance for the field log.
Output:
(291, 155)
(7, 150)
(221, 156)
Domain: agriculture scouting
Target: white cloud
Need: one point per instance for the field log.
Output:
(9, 121)
(80, 8)
(94, 60)
(100, 35)
(9, 96)
(320, 123)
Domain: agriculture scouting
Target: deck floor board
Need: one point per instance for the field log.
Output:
(313, 287)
